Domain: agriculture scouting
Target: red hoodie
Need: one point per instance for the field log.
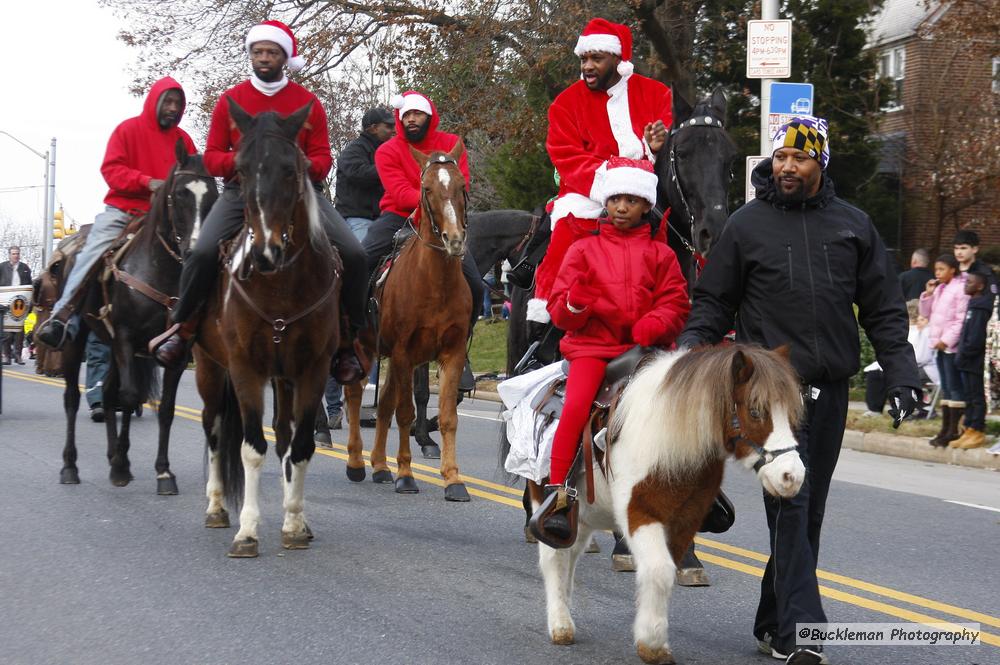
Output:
(399, 171)
(224, 138)
(139, 150)
(637, 276)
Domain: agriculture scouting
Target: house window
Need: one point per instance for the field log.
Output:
(892, 67)
(996, 74)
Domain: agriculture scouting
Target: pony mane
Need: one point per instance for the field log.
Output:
(676, 409)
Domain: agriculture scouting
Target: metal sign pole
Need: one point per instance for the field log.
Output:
(768, 12)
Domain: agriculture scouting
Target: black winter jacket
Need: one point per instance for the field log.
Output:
(791, 275)
(359, 188)
(971, 354)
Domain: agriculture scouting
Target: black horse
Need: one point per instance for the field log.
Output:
(130, 310)
(694, 169)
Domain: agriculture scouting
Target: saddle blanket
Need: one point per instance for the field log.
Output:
(529, 434)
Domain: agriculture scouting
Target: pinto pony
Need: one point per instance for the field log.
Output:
(273, 316)
(424, 312)
(680, 417)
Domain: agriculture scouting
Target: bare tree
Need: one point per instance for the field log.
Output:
(28, 239)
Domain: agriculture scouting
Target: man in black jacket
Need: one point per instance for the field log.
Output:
(789, 267)
(14, 273)
(914, 280)
(359, 188)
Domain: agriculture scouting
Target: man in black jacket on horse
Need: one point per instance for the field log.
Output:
(788, 268)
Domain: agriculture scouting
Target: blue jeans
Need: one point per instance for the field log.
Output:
(951, 380)
(108, 225)
(359, 226)
(98, 360)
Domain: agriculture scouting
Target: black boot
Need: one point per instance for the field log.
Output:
(956, 419)
(53, 333)
(552, 523)
(522, 275)
(946, 418)
(467, 382)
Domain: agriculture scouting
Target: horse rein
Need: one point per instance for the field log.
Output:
(765, 456)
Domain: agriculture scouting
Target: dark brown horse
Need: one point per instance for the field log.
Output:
(273, 317)
(424, 313)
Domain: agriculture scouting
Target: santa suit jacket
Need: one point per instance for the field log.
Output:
(399, 171)
(224, 138)
(586, 127)
(637, 276)
(139, 150)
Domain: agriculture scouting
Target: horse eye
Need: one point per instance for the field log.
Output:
(755, 414)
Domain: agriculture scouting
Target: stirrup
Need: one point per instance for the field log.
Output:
(549, 506)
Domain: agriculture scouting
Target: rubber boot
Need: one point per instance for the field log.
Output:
(956, 418)
(938, 440)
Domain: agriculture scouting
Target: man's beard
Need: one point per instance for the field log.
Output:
(417, 135)
(797, 195)
(275, 75)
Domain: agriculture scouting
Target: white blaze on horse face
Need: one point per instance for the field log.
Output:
(444, 177)
(199, 189)
(268, 254)
(784, 475)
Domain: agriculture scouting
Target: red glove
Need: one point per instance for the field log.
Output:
(582, 295)
(646, 331)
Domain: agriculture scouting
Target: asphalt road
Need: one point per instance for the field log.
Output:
(97, 574)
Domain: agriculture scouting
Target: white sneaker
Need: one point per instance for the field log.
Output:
(801, 656)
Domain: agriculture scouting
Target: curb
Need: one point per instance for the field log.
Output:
(894, 445)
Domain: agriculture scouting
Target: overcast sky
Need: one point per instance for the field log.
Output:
(67, 78)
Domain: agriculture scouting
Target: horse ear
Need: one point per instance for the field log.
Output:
(291, 125)
(459, 150)
(785, 351)
(242, 119)
(742, 368)
(422, 158)
(681, 108)
(180, 150)
(719, 103)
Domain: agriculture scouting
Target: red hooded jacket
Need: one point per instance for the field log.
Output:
(400, 173)
(139, 150)
(224, 139)
(637, 276)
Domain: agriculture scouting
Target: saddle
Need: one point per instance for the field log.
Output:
(377, 280)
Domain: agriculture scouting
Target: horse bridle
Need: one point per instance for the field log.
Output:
(441, 160)
(697, 121)
(765, 456)
(170, 210)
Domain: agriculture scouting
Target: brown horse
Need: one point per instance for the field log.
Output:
(681, 416)
(425, 308)
(273, 316)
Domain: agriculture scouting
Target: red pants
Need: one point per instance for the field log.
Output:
(585, 378)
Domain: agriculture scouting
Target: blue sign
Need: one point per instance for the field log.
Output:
(793, 98)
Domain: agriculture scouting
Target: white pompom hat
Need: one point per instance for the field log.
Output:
(280, 34)
(603, 36)
(411, 101)
(629, 176)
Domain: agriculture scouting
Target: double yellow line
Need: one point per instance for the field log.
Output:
(735, 558)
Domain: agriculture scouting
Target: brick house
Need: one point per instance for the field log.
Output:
(942, 91)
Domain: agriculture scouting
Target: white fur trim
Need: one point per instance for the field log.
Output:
(577, 204)
(625, 68)
(537, 311)
(412, 102)
(627, 180)
(270, 33)
(599, 43)
(620, 118)
(296, 63)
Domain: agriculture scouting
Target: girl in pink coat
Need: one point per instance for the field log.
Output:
(944, 303)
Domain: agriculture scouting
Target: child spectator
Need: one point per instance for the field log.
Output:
(615, 289)
(971, 360)
(944, 303)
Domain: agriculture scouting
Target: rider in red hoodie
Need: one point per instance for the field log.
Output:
(138, 158)
(417, 122)
(616, 288)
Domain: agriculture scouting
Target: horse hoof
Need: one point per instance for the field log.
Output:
(295, 541)
(692, 577)
(120, 478)
(622, 563)
(563, 636)
(166, 486)
(309, 533)
(593, 547)
(529, 537)
(456, 492)
(406, 485)
(322, 439)
(219, 520)
(431, 451)
(383, 476)
(355, 475)
(658, 656)
(243, 549)
(69, 477)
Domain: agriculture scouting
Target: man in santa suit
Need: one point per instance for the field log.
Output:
(271, 47)
(610, 111)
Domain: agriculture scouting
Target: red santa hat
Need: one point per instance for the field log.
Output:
(411, 101)
(606, 37)
(629, 176)
(280, 34)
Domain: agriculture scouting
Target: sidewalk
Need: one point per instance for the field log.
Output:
(894, 445)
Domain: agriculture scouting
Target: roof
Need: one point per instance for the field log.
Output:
(898, 20)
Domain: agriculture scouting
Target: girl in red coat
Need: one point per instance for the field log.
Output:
(617, 288)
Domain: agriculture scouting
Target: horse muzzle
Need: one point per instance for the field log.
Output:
(783, 477)
(453, 246)
(268, 259)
